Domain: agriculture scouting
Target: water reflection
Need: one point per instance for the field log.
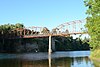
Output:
(50, 62)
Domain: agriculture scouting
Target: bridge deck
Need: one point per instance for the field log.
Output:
(47, 35)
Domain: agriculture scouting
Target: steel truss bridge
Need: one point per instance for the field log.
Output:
(65, 29)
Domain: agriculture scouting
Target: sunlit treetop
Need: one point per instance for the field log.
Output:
(93, 21)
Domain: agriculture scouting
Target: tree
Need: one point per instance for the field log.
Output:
(6, 29)
(93, 22)
(18, 25)
(45, 30)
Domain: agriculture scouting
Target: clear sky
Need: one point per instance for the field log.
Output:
(45, 13)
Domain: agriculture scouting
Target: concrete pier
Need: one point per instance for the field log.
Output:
(51, 44)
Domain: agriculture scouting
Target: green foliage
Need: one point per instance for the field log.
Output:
(95, 53)
(93, 22)
(45, 30)
(10, 26)
(68, 43)
(6, 30)
(18, 25)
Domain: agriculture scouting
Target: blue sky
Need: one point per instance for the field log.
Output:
(42, 13)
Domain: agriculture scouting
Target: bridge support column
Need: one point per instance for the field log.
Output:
(51, 44)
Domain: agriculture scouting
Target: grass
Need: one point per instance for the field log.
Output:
(95, 54)
(96, 63)
(95, 57)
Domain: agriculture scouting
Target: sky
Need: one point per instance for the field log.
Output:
(42, 13)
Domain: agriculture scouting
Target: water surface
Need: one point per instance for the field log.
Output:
(57, 59)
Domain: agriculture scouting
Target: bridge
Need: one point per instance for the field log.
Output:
(65, 29)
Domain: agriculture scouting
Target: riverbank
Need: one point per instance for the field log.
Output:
(95, 56)
(95, 53)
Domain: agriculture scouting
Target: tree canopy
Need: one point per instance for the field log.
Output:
(11, 26)
(93, 22)
(45, 30)
(6, 30)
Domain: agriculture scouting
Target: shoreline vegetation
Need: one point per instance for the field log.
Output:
(36, 44)
(95, 55)
(93, 26)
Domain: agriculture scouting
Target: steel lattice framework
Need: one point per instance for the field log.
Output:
(65, 29)
(77, 26)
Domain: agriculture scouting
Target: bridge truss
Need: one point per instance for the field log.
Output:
(67, 28)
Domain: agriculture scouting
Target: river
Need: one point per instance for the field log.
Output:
(56, 59)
